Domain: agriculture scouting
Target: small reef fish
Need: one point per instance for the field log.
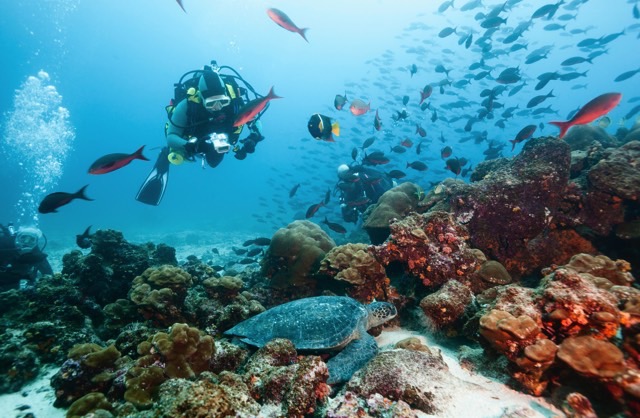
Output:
(53, 201)
(321, 127)
(254, 252)
(262, 241)
(421, 131)
(377, 122)
(525, 133)
(112, 162)
(84, 240)
(335, 227)
(425, 93)
(293, 190)
(596, 108)
(368, 142)
(285, 22)
(250, 110)
(453, 165)
(359, 107)
(417, 165)
(340, 101)
(396, 174)
(446, 152)
(313, 209)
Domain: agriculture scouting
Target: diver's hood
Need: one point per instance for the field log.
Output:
(344, 172)
(210, 84)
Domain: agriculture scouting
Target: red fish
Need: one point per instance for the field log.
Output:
(421, 131)
(377, 122)
(446, 152)
(359, 107)
(313, 209)
(181, 6)
(425, 93)
(597, 107)
(112, 162)
(407, 143)
(525, 133)
(284, 21)
(249, 111)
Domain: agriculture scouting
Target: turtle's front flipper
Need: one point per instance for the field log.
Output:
(351, 359)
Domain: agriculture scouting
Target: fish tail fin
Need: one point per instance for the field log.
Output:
(272, 94)
(335, 128)
(551, 94)
(138, 154)
(303, 33)
(513, 144)
(326, 221)
(86, 231)
(564, 127)
(80, 193)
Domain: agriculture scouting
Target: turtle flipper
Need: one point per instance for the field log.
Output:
(351, 359)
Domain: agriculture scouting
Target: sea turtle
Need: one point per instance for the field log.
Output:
(321, 324)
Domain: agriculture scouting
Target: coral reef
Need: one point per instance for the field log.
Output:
(88, 404)
(295, 253)
(349, 404)
(446, 307)
(159, 294)
(583, 137)
(183, 353)
(275, 374)
(107, 271)
(618, 174)
(89, 368)
(353, 264)
(570, 323)
(418, 378)
(226, 396)
(432, 247)
(512, 208)
(393, 204)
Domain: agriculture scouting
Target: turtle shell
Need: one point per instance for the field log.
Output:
(317, 323)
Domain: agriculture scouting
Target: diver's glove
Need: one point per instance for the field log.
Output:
(191, 146)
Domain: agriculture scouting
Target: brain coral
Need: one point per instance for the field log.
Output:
(395, 203)
(295, 253)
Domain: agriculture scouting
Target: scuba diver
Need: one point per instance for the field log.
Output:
(202, 115)
(22, 256)
(360, 187)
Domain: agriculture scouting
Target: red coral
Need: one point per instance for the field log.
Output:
(432, 247)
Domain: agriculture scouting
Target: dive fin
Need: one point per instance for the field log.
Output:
(153, 188)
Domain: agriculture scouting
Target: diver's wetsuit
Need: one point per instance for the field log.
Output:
(15, 266)
(190, 119)
(360, 188)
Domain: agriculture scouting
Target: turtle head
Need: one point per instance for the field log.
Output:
(379, 313)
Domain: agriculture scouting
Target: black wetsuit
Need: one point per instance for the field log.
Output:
(15, 266)
(361, 187)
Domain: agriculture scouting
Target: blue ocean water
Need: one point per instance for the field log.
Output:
(82, 79)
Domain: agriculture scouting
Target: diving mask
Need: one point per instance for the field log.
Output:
(216, 103)
(27, 239)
